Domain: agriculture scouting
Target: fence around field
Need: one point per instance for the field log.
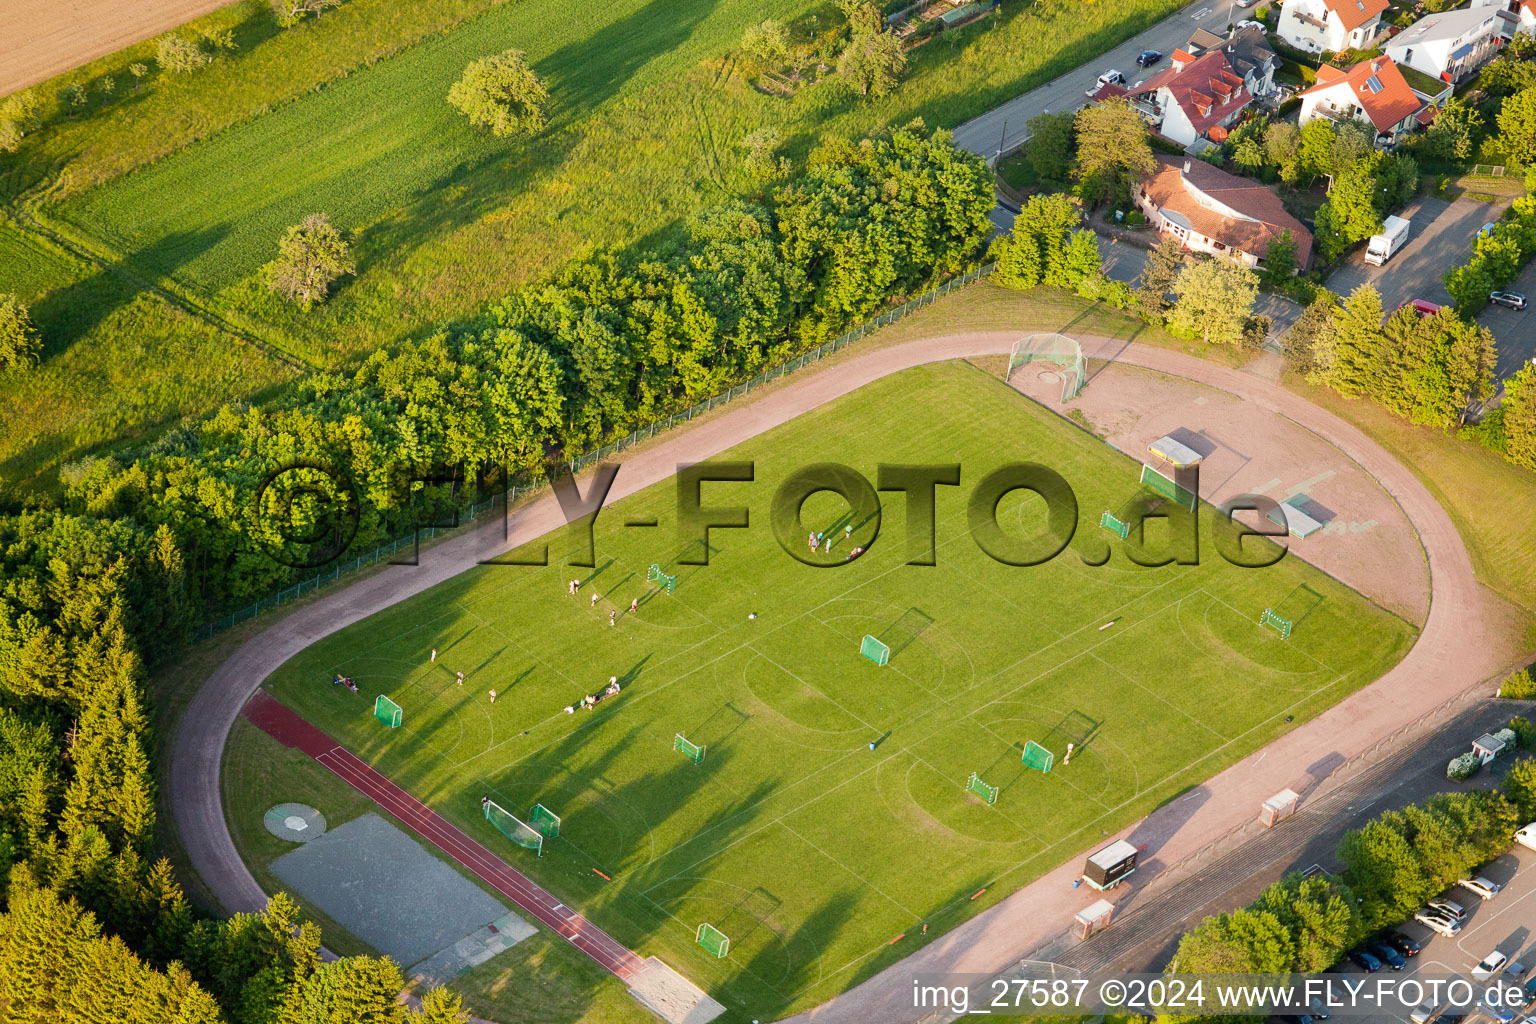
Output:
(514, 492)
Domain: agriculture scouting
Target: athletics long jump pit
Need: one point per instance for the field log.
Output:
(381, 885)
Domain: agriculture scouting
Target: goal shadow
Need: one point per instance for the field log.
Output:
(898, 636)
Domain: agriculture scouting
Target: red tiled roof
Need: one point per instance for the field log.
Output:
(1386, 103)
(1206, 89)
(1354, 13)
(1172, 188)
(1108, 91)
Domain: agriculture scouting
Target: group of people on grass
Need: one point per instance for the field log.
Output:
(592, 700)
(573, 587)
(818, 541)
(347, 681)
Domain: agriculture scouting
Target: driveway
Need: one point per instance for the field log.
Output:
(1441, 238)
(1001, 129)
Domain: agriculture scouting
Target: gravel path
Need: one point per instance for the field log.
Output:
(1458, 648)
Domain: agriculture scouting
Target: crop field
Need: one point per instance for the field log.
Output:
(809, 849)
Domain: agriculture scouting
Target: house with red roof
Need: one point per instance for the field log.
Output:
(1211, 211)
(1317, 25)
(1193, 95)
(1373, 91)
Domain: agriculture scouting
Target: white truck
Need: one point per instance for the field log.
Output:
(1394, 232)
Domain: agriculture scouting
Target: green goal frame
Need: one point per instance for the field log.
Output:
(388, 712)
(1284, 626)
(514, 828)
(876, 651)
(713, 940)
(1167, 487)
(693, 751)
(1054, 348)
(544, 821)
(1037, 757)
(1108, 521)
(981, 789)
(663, 580)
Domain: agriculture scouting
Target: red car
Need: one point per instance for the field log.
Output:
(1424, 308)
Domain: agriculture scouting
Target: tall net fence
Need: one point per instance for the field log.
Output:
(514, 828)
(1059, 349)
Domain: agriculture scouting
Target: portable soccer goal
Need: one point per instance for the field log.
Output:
(514, 828)
(1037, 757)
(875, 650)
(713, 939)
(981, 789)
(1052, 348)
(1108, 521)
(693, 751)
(1284, 626)
(665, 581)
(544, 821)
(1165, 485)
(388, 712)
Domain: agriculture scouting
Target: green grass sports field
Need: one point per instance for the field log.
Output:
(809, 850)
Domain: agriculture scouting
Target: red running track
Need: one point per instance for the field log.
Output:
(286, 726)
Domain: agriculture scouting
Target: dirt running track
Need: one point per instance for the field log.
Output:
(1457, 649)
(43, 38)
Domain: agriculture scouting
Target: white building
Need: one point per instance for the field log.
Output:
(1452, 45)
(1317, 25)
(1373, 91)
(1524, 12)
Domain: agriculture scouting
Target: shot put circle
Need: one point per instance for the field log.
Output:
(297, 823)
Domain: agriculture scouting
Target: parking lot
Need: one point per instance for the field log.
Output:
(1441, 237)
(1506, 923)
(1514, 330)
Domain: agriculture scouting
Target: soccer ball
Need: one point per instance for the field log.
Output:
(751, 615)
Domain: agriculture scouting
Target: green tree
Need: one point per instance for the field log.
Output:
(861, 15)
(872, 63)
(1314, 146)
(1282, 149)
(1309, 344)
(1114, 150)
(1507, 75)
(1050, 145)
(440, 1006)
(501, 93)
(1349, 215)
(311, 256)
(179, 54)
(1040, 249)
(1280, 259)
(1158, 277)
(1357, 343)
(767, 42)
(291, 12)
(1453, 134)
(138, 71)
(1320, 916)
(1249, 940)
(1215, 300)
(1469, 286)
(1517, 125)
(19, 341)
(1352, 141)
(1520, 786)
(1520, 417)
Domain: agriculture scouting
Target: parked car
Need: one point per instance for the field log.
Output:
(1110, 77)
(1318, 1009)
(1425, 1012)
(1246, 3)
(1526, 837)
(1451, 907)
(1486, 888)
(1387, 955)
(1451, 1018)
(1513, 300)
(1486, 229)
(1496, 1009)
(1423, 307)
(1146, 58)
(1367, 962)
(1405, 944)
(1438, 922)
(1240, 26)
(1490, 966)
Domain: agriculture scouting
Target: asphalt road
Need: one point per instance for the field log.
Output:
(1514, 331)
(1441, 237)
(1003, 126)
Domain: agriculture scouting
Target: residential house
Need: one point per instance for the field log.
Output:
(1524, 12)
(1452, 45)
(1373, 91)
(1192, 96)
(1209, 210)
(1248, 53)
(1317, 25)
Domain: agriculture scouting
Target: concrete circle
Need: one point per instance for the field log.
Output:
(297, 823)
